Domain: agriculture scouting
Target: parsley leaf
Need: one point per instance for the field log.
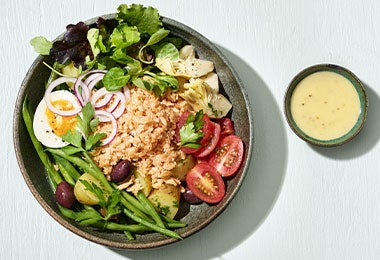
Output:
(88, 217)
(190, 133)
(73, 137)
(94, 141)
(87, 124)
(109, 202)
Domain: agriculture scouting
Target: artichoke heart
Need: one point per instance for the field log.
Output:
(186, 66)
(201, 96)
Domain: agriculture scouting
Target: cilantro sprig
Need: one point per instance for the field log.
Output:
(190, 133)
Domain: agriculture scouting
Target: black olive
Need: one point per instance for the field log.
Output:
(64, 194)
(190, 197)
(121, 171)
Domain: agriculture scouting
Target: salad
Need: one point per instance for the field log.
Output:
(131, 124)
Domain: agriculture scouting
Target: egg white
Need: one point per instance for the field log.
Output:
(42, 130)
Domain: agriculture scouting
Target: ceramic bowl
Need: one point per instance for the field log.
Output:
(355, 82)
(196, 216)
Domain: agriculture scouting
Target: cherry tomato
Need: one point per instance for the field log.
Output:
(227, 126)
(207, 129)
(206, 183)
(228, 155)
(210, 144)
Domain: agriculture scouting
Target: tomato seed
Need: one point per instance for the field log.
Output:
(231, 159)
(207, 184)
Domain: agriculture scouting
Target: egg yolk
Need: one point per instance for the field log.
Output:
(61, 124)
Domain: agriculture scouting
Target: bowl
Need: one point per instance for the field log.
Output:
(326, 105)
(196, 216)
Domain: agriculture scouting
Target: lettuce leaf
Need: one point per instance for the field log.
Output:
(146, 19)
(74, 46)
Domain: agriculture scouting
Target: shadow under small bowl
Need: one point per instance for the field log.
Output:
(359, 88)
(195, 216)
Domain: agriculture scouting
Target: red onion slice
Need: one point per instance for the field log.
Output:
(47, 97)
(105, 116)
(91, 77)
(81, 91)
(101, 98)
(120, 108)
(81, 88)
(94, 81)
(127, 92)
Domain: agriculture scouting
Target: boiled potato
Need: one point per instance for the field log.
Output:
(145, 181)
(183, 167)
(82, 194)
(166, 200)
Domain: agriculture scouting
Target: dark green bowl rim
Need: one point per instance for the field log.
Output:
(359, 89)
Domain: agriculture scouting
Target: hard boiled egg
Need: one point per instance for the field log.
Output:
(48, 126)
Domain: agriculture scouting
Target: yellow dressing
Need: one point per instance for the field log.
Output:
(325, 105)
(61, 124)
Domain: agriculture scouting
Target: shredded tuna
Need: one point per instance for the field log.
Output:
(145, 137)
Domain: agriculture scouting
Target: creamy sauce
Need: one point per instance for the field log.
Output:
(325, 105)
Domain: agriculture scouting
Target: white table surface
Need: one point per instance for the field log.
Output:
(297, 201)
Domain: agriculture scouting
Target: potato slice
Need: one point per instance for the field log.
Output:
(82, 194)
(145, 181)
(183, 167)
(166, 200)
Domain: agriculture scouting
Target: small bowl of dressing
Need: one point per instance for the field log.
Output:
(326, 105)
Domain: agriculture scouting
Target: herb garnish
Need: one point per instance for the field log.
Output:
(190, 133)
(86, 125)
(109, 202)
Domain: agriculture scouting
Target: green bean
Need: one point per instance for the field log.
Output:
(54, 177)
(129, 235)
(98, 174)
(154, 227)
(66, 176)
(127, 200)
(132, 200)
(131, 211)
(68, 212)
(69, 168)
(150, 209)
(134, 228)
(172, 223)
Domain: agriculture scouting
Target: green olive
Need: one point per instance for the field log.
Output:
(183, 167)
(82, 194)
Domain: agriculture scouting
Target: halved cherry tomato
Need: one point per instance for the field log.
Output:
(228, 155)
(227, 126)
(206, 183)
(207, 129)
(209, 145)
